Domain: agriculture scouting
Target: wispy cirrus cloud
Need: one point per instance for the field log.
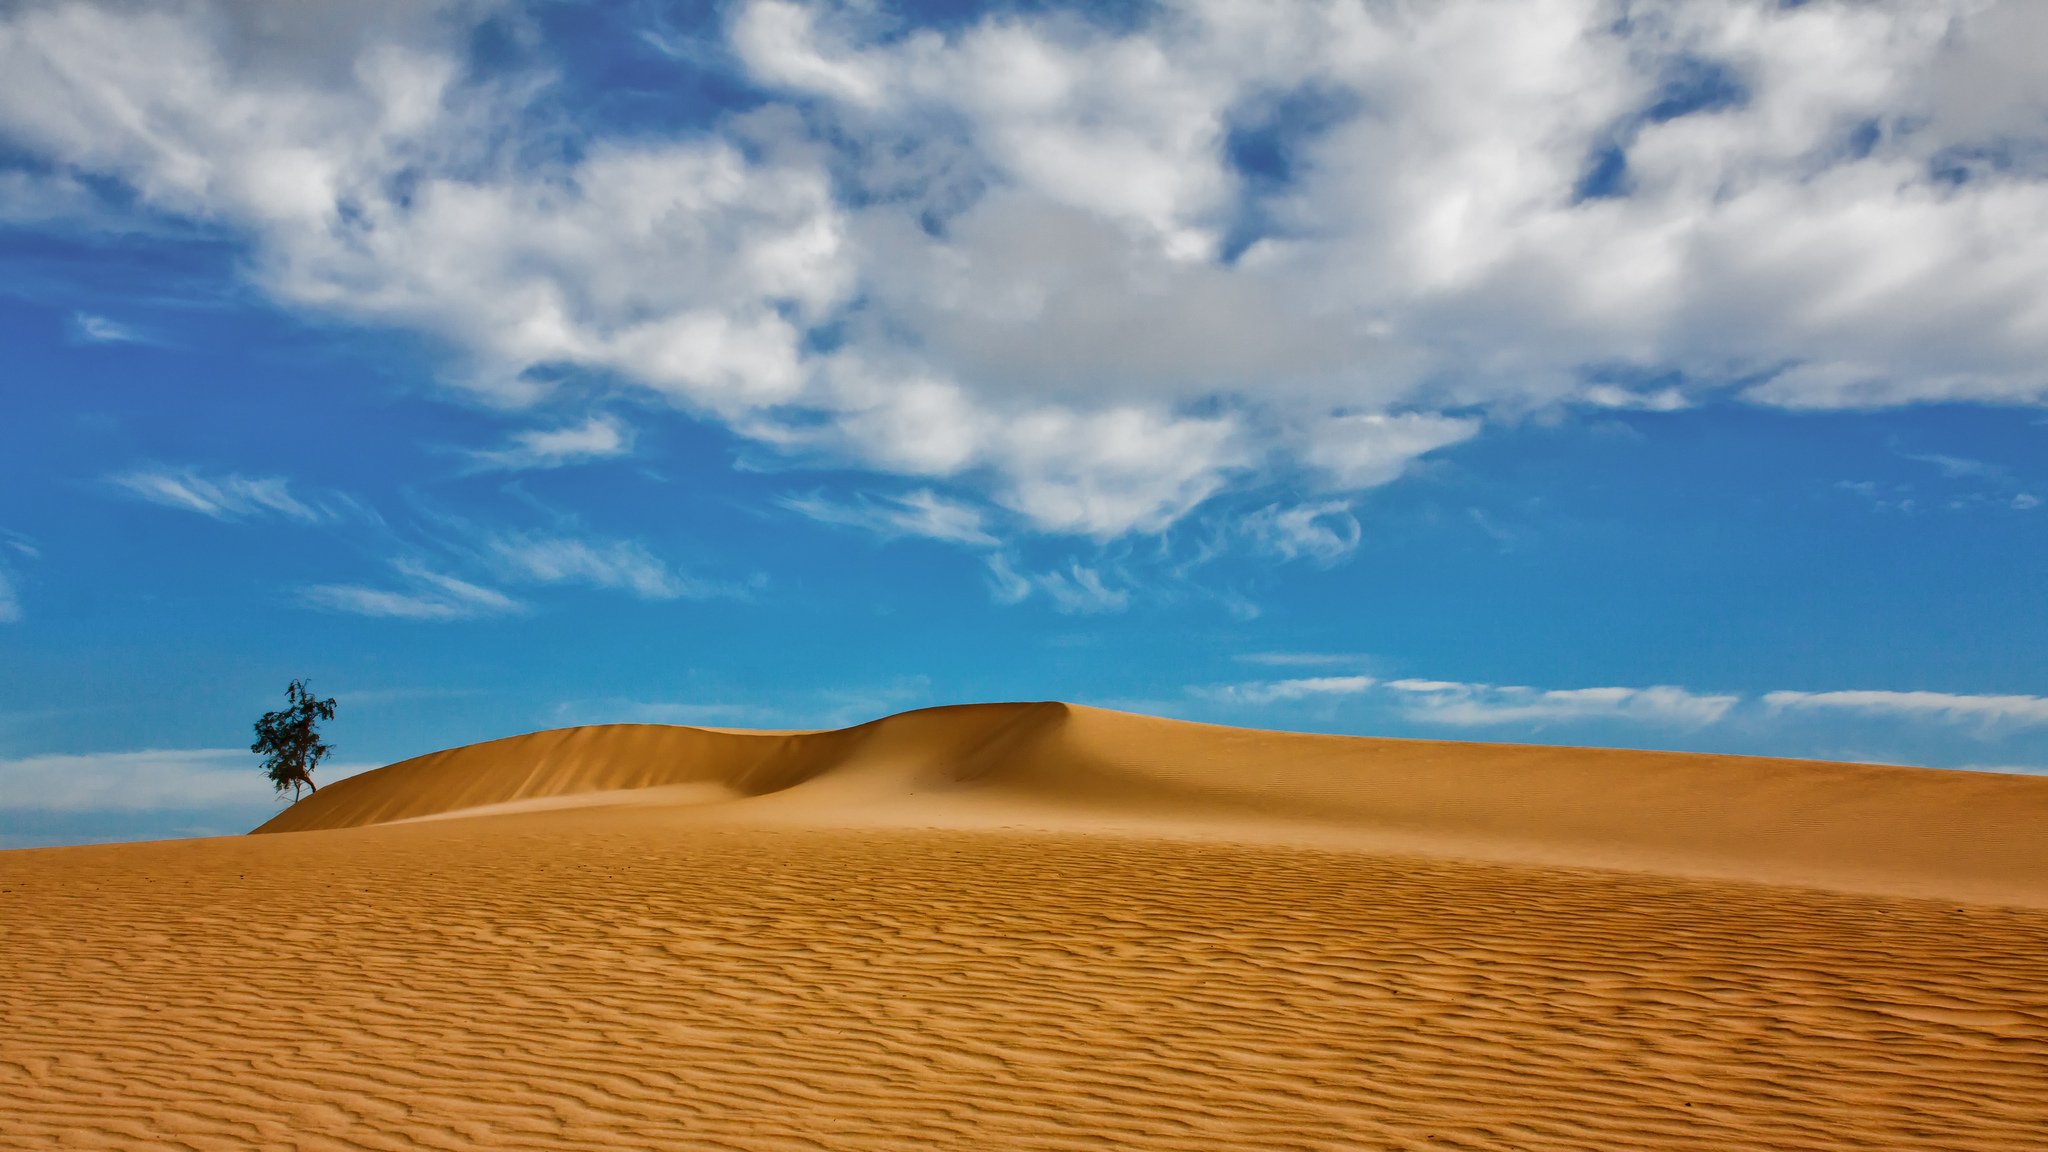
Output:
(921, 513)
(181, 778)
(423, 594)
(23, 548)
(1299, 659)
(1323, 531)
(226, 496)
(1462, 704)
(1287, 691)
(92, 329)
(1077, 589)
(1946, 707)
(1960, 467)
(620, 564)
(1470, 704)
(1475, 705)
(600, 437)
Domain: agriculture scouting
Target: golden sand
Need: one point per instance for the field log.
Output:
(1048, 927)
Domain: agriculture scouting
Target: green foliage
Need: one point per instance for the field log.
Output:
(289, 739)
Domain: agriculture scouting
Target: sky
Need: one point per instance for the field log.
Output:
(1660, 375)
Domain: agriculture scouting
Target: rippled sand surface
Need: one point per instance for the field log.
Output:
(1048, 928)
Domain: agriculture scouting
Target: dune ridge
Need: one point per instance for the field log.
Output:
(1048, 764)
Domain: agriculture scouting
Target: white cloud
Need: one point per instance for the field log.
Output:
(623, 565)
(100, 330)
(1055, 279)
(225, 497)
(1289, 691)
(1450, 702)
(1474, 705)
(1325, 532)
(1298, 659)
(427, 595)
(1958, 467)
(2006, 769)
(597, 438)
(174, 779)
(1367, 450)
(1466, 704)
(920, 513)
(1939, 706)
(1076, 590)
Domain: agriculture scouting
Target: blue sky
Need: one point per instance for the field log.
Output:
(1651, 375)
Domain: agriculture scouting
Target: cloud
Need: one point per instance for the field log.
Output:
(1372, 449)
(1472, 705)
(1991, 711)
(427, 595)
(1289, 691)
(921, 513)
(1463, 704)
(1298, 659)
(224, 497)
(1074, 590)
(1960, 468)
(597, 438)
(622, 565)
(176, 779)
(99, 330)
(1466, 704)
(1100, 275)
(1325, 532)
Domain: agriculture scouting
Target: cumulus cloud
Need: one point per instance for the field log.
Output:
(228, 496)
(1100, 275)
(1994, 711)
(1363, 451)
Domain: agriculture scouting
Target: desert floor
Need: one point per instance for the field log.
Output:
(1036, 926)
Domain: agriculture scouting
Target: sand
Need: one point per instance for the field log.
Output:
(1049, 927)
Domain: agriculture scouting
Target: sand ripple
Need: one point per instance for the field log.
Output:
(614, 978)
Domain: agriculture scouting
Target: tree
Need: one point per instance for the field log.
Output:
(289, 739)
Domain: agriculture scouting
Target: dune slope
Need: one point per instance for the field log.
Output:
(1047, 928)
(1861, 827)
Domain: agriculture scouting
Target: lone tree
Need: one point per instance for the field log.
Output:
(289, 740)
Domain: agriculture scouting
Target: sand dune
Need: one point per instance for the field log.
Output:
(1065, 767)
(1048, 927)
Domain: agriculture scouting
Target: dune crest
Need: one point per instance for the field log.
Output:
(1068, 767)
